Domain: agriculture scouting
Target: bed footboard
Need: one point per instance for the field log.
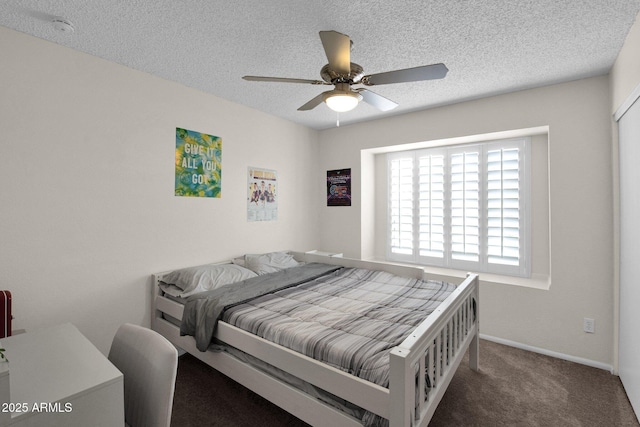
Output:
(430, 356)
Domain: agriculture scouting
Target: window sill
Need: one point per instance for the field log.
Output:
(536, 281)
(539, 281)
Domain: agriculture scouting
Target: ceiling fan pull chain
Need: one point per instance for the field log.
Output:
(337, 119)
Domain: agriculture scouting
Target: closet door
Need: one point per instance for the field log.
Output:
(629, 350)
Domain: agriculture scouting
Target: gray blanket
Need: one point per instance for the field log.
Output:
(202, 311)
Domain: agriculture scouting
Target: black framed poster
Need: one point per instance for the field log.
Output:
(339, 187)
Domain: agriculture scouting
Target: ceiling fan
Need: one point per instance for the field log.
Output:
(342, 73)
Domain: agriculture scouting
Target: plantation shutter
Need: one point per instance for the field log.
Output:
(465, 206)
(401, 205)
(503, 206)
(431, 217)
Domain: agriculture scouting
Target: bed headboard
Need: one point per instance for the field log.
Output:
(398, 269)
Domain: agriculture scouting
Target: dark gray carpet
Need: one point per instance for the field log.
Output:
(513, 388)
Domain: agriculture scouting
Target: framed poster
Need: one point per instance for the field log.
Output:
(198, 164)
(339, 187)
(262, 199)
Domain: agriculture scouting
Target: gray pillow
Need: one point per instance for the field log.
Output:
(188, 281)
(270, 262)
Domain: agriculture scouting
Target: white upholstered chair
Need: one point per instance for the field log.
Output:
(148, 362)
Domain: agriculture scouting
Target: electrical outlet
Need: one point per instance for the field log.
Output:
(589, 325)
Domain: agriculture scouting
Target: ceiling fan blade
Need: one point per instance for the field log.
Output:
(282, 80)
(425, 72)
(337, 47)
(378, 101)
(313, 103)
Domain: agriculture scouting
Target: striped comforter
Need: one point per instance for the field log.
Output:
(349, 319)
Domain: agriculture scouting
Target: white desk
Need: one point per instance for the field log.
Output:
(60, 379)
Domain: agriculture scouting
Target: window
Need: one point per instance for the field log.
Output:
(463, 207)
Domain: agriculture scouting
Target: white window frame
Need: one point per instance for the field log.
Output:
(447, 260)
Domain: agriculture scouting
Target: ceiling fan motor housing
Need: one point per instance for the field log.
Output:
(331, 76)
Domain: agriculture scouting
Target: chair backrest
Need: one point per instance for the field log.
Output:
(148, 362)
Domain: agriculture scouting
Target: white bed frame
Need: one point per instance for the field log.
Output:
(439, 342)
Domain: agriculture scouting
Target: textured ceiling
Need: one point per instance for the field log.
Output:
(490, 47)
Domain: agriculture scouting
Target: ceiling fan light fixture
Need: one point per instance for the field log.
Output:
(342, 101)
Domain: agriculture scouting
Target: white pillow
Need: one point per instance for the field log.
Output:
(270, 262)
(188, 281)
(239, 260)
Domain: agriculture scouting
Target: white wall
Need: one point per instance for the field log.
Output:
(87, 210)
(625, 73)
(580, 203)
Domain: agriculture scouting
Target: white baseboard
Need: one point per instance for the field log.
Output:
(546, 352)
